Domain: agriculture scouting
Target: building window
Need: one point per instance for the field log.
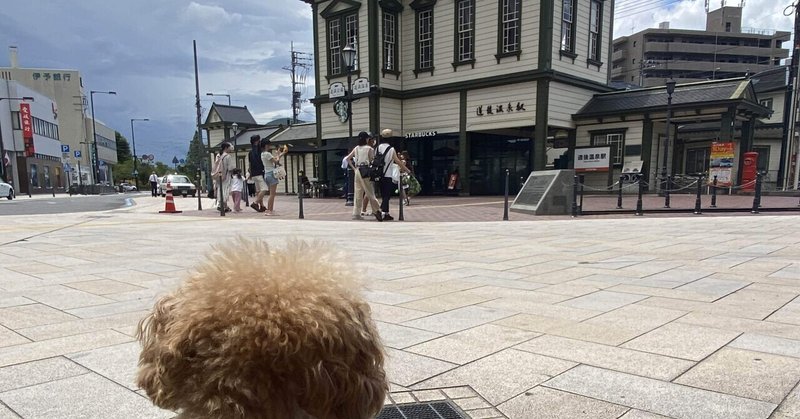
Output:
(390, 42)
(465, 31)
(568, 27)
(614, 141)
(46, 173)
(425, 40)
(767, 103)
(696, 160)
(342, 30)
(510, 14)
(34, 176)
(727, 26)
(15, 120)
(595, 31)
(762, 165)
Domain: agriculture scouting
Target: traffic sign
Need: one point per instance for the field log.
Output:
(77, 154)
(182, 161)
(175, 160)
(65, 148)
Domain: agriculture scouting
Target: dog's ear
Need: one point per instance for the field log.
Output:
(157, 361)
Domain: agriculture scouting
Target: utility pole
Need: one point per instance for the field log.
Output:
(303, 61)
(789, 119)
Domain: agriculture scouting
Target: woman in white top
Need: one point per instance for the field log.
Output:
(360, 158)
(271, 160)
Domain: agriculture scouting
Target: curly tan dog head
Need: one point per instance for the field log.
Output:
(263, 333)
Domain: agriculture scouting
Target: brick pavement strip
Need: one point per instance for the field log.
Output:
(646, 317)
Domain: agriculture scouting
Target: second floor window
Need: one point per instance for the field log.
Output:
(568, 26)
(465, 13)
(425, 39)
(342, 30)
(510, 26)
(390, 41)
(595, 29)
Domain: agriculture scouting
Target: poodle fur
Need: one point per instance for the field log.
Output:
(261, 333)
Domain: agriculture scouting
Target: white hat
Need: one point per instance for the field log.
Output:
(386, 133)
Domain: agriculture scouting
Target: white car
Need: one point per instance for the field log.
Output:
(181, 185)
(6, 190)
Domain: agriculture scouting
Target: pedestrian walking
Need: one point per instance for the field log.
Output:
(223, 167)
(251, 185)
(359, 160)
(237, 186)
(257, 172)
(153, 184)
(387, 184)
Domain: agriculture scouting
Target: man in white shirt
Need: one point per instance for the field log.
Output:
(153, 184)
(387, 185)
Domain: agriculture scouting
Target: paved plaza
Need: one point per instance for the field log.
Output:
(622, 317)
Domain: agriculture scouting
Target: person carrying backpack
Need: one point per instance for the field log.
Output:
(387, 153)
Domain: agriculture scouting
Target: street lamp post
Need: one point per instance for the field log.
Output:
(664, 181)
(96, 160)
(220, 94)
(133, 140)
(349, 57)
(235, 128)
(2, 149)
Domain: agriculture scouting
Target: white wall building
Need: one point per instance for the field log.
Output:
(39, 169)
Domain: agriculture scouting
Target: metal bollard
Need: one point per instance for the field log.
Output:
(575, 196)
(199, 195)
(697, 199)
(505, 206)
(666, 191)
(619, 192)
(639, 210)
(580, 206)
(757, 196)
(402, 198)
(714, 193)
(300, 193)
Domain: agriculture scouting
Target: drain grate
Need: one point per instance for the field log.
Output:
(460, 402)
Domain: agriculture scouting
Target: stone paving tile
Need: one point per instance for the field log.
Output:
(54, 347)
(395, 314)
(12, 301)
(548, 310)
(790, 407)
(446, 302)
(118, 363)
(755, 375)
(38, 372)
(78, 326)
(743, 325)
(547, 403)
(400, 337)
(790, 313)
(406, 369)
(611, 357)
(641, 414)
(432, 290)
(668, 399)
(103, 286)
(791, 271)
(458, 319)
(672, 278)
(768, 344)
(64, 298)
(388, 297)
(502, 375)
(9, 337)
(471, 344)
(682, 341)
(75, 397)
(120, 307)
(715, 288)
(602, 301)
(31, 315)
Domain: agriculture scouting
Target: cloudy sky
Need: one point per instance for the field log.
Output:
(143, 50)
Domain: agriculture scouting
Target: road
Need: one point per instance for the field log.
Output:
(61, 204)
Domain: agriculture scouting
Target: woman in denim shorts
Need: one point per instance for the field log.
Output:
(271, 160)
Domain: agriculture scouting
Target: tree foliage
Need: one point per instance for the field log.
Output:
(123, 148)
(196, 158)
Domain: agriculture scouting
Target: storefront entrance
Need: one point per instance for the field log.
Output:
(433, 159)
(491, 155)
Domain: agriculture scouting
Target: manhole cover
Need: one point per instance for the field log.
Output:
(460, 402)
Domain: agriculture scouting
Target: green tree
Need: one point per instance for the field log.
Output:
(123, 148)
(196, 158)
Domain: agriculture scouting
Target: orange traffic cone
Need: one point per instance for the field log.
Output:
(169, 207)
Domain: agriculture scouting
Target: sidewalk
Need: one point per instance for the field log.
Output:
(603, 317)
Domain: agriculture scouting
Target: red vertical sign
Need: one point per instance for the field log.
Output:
(27, 128)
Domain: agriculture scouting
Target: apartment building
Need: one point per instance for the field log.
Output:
(723, 50)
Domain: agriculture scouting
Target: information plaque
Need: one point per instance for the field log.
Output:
(546, 192)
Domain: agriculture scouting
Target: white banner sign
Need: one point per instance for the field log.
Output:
(360, 85)
(592, 159)
(336, 90)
